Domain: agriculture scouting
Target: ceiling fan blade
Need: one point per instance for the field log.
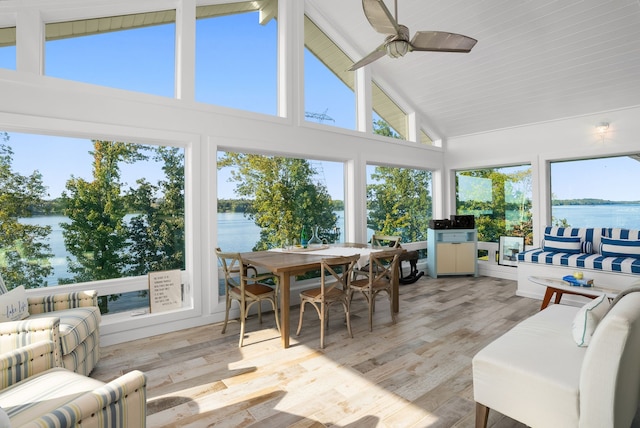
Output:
(441, 41)
(378, 53)
(379, 16)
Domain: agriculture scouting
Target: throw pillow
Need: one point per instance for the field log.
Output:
(562, 244)
(610, 247)
(587, 319)
(14, 305)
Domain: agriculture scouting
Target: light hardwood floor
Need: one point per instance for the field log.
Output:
(415, 373)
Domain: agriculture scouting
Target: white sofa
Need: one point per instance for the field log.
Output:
(538, 375)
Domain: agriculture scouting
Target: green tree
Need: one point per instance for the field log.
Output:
(399, 202)
(156, 233)
(96, 236)
(285, 197)
(24, 250)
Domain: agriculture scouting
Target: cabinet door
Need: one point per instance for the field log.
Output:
(446, 258)
(466, 259)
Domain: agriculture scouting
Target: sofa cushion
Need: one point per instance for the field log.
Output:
(562, 244)
(14, 305)
(535, 362)
(610, 247)
(75, 325)
(43, 393)
(619, 233)
(582, 260)
(587, 319)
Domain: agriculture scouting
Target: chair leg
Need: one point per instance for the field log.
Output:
(347, 316)
(301, 316)
(370, 300)
(275, 311)
(482, 415)
(323, 315)
(226, 314)
(243, 318)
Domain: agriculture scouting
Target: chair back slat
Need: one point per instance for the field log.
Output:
(383, 264)
(330, 278)
(380, 240)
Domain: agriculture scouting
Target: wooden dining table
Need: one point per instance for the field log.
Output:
(286, 264)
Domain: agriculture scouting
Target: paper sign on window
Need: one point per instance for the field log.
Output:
(165, 291)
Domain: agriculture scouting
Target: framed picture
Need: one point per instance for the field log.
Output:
(508, 250)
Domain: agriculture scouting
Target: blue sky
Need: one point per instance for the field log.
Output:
(142, 60)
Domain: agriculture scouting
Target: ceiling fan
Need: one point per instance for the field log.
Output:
(397, 43)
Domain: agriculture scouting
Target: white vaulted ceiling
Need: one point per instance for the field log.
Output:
(535, 60)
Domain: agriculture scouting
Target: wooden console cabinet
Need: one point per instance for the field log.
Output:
(452, 252)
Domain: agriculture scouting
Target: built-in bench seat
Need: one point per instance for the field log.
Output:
(610, 256)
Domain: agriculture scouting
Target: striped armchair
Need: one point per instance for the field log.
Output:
(70, 320)
(35, 393)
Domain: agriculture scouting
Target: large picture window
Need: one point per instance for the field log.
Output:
(78, 210)
(399, 202)
(132, 52)
(329, 95)
(500, 200)
(596, 192)
(236, 56)
(266, 201)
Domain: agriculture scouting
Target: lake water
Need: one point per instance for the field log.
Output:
(237, 233)
(616, 215)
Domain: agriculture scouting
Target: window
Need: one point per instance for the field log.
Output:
(386, 109)
(596, 192)
(500, 200)
(132, 52)
(425, 138)
(399, 202)
(265, 201)
(236, 56)
(8, 48)
(103, 210)
(329, 95)
(276, 196)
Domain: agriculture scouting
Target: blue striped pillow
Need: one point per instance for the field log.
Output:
(563, 244)
(610, 247)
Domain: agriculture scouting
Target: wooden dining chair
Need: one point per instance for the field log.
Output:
(383, 271)
(378, 240)
(242, 283)
(334, 288)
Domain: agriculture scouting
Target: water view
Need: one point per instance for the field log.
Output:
(614, 215)
(237, 233)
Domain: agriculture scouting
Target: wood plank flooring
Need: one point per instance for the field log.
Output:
(415, 373)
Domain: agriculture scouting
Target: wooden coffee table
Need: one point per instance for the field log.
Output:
(560, 287)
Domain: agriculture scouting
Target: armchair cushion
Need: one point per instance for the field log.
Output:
(75, 325)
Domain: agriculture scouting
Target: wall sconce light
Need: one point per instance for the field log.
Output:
(602, 129)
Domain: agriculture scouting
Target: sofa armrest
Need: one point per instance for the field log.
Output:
(26, 361)
(58, 302)
(15, 334)
(120, 403)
